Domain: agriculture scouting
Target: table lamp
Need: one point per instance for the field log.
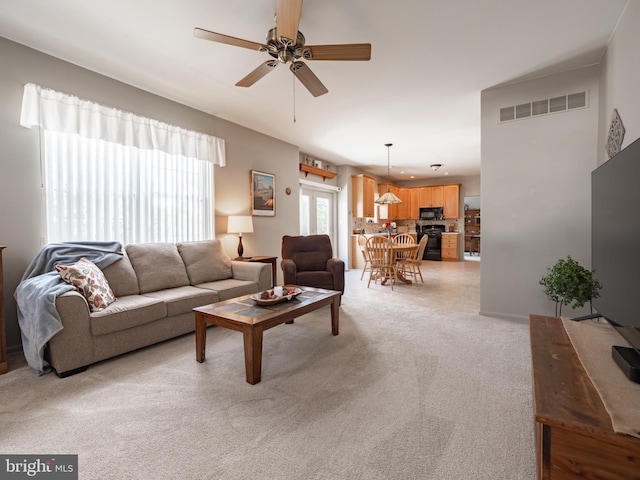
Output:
(240, 224)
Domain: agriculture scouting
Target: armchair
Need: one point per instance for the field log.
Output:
(308, 260)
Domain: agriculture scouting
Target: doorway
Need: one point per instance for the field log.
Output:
(472, 228)
(318, 213)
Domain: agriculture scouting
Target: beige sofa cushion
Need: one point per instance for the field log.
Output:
(205, 261)
(184, 299)
(231, 288)
(121, 277)
(157, 266)
(127, 312)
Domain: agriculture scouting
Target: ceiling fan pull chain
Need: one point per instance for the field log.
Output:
(294, 99)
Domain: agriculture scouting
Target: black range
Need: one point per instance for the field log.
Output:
(434, 243)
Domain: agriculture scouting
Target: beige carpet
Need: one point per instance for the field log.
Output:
(416, 386)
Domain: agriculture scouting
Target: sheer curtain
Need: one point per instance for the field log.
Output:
(113, 175)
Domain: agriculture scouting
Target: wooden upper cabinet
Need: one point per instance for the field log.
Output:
(437, 197)
(446, 196)
(403, 210)
(362, 196)
(425, 196)
(451, 201)
(415, 204)
(431, 196)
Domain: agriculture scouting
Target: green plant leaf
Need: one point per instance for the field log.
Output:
(568, 283)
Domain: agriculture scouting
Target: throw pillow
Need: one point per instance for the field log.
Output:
(158, 266)
(206, 261)
(90, 282)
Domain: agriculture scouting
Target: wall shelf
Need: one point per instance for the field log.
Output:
(307, 169)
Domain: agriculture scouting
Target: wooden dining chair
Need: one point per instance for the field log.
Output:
(402, 256)
(404, 239)
(382, 260)
(362, 246)
(411, 266)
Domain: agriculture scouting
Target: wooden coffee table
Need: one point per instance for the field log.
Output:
(244, 315)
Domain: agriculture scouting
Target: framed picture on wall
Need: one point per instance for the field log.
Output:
(263, 194)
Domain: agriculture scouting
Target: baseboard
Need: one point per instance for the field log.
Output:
(505, 316)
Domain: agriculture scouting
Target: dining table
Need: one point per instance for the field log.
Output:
(399, 249)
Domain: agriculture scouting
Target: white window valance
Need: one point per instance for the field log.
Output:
(64, 113)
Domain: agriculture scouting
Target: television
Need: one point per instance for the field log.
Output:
(615, 250)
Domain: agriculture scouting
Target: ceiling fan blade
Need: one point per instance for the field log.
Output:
(353, 51)
(287, 20)
(257, 74)
(308, 79)
(220, 38)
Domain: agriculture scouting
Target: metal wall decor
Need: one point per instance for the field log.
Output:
(616, 134)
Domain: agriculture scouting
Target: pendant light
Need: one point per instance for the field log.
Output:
(388, 198)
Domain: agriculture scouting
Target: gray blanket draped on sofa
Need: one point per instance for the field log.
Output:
(41, 284)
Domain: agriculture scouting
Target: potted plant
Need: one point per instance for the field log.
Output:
(566, 282)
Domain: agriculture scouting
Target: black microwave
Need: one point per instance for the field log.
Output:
(431, 213)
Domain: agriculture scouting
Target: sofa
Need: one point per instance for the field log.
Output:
(156, 286)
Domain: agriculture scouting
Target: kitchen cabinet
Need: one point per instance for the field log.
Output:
(451, 201)
(362, 196)
(450, 246)
(437, 196)
(425, 195)
(431, 196)
(403, 210)
(415, 204)
(413, 198)
(357, 260)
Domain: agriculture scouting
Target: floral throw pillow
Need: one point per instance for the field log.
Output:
(90, 282)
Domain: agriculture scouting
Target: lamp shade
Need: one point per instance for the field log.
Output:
(240, 224)
(387, 199)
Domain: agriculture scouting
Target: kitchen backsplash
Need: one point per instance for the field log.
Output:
(370, 226)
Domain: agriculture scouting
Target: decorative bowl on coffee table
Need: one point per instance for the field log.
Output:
(272, 298)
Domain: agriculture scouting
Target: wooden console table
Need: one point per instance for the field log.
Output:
(574, 435)
(4, 367)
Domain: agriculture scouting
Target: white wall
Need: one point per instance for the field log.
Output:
(20, 208)
(620, 80)
(535, 191)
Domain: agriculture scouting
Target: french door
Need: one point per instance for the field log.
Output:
(317, 213)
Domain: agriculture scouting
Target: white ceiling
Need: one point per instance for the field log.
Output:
(420, 91)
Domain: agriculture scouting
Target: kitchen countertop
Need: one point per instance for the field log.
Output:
(380, 233)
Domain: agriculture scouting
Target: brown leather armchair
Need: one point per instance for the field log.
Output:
(308, 260)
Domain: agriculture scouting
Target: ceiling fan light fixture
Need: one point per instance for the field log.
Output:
(435, 166)
(388, 198)
(287, 45)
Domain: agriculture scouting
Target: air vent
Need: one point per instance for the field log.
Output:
(507, 113)
(544, 107)
(523, 110)
(577, 100)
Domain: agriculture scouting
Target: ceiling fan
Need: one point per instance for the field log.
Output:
(287, 45)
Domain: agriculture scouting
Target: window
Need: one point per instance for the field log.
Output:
(129, 179)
